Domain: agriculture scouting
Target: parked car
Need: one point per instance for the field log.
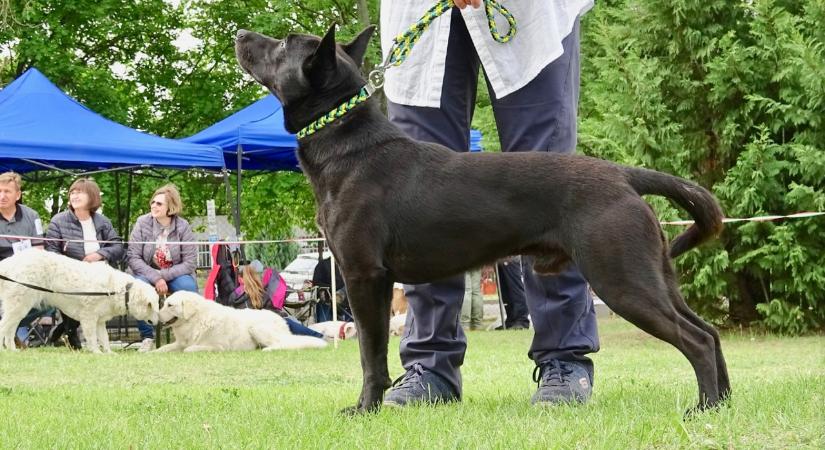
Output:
(301, 269)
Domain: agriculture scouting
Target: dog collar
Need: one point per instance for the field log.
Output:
(336, 113)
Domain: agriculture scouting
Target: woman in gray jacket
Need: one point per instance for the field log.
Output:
(168, 267)
(82, 222)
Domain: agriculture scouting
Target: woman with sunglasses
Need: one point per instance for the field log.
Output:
(154, 254)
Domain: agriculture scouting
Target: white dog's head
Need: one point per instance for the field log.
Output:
(143, 302)
(180, 305)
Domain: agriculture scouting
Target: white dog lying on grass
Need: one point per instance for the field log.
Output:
(63, 274)
(204, 325)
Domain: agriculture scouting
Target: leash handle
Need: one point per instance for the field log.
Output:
(492, 7)
(403, 43)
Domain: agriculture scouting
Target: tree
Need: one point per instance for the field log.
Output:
(731, 96)
(123, 60)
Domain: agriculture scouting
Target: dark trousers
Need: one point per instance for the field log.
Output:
(542, 117)
(69, 327)
(512, 294)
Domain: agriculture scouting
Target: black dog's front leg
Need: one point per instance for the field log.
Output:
(369, 299)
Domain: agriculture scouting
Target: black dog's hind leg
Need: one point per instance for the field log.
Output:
(650, 308)
(723, 382)
(644, 296)
(370, 295)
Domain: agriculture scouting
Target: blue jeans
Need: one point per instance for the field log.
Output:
(298, 328)
(323, 313)
(182, 283)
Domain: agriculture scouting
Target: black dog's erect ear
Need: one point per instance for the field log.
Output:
(323, 62)
(358, 46)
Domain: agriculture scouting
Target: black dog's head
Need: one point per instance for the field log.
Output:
(309, 75)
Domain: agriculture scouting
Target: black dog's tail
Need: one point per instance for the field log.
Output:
(696, 200)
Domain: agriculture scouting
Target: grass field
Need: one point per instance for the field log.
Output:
(54, 398)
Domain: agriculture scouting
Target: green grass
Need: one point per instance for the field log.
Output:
(54, 398)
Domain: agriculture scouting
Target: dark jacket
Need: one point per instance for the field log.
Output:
(66, 225)
(140, 256)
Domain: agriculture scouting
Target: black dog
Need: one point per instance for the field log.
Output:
(394, 209)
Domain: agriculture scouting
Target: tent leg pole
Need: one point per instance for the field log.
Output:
(238, 194)
(229, 200)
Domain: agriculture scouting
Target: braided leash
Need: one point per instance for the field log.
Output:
(404, 42)
(401, 47)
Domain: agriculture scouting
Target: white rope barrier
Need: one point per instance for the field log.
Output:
(750, 219)
(798, 215)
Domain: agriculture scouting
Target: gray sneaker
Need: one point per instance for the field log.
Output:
(561, 382)
(419, 386)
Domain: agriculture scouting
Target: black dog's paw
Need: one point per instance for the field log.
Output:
(356, 410)
(704, 408)
(351, 411)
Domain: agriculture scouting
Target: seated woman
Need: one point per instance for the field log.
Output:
(156, 253)
(264, 288)
(83, 233)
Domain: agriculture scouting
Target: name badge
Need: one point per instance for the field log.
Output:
(18, 247)
(38, 226)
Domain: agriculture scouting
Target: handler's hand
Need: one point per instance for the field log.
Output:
(93, 257)
(464, 3)
(161, 287)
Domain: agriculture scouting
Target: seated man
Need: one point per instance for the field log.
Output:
(17, 219)
(322, 278)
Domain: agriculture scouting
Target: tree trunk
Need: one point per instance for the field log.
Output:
(743, 306)
(363, 13)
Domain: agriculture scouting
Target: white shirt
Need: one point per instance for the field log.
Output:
(89, 235)
(541, 27)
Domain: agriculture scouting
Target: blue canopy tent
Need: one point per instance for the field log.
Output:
(254, 138)
(43, 128)
(257, 135)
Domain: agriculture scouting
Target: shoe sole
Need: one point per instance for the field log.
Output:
(396, 405)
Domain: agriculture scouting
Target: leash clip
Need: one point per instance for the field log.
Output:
(375, 80)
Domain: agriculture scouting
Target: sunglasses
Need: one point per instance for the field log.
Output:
(154, 202)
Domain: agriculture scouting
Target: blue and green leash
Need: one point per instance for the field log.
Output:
(401, 47)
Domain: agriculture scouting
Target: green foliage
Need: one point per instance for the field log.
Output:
(730, 95)
(121, 60)
(483, 119)
(784, 318)
(277, 255)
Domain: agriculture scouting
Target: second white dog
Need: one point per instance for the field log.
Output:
(204, 325)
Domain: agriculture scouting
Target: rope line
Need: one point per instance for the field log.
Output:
(798, 215)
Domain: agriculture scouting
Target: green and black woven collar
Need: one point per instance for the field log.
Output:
(336, 113)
